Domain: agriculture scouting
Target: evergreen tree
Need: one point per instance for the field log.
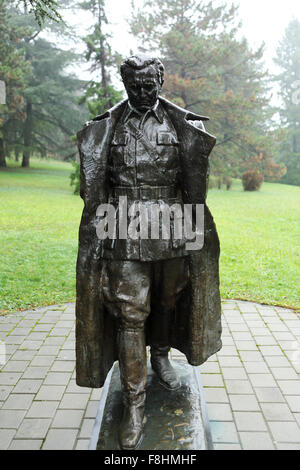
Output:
(288, 59)
(210, 71)
(43, 9)
(14, 69)
(100, 95)
(52, 114)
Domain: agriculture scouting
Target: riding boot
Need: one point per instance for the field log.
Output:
(161, 365)
(133, 374)
(160, 346)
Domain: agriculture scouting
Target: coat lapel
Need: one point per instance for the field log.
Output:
(93, 143)
(201, 328)
(196, 145)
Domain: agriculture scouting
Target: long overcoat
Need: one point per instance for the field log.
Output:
(196, 322)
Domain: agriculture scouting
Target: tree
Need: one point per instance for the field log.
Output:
(14, 70)
(211, 71)
(288, 60)
(100, 95)
(43, 9)
(52, 114)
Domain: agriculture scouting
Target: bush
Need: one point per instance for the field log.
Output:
(252, 180)
(75, 177)
(217, 181)
(212, 182)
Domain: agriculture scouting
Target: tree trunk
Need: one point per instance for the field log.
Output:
(17, 153)
(294, 143)
(103, 57)
(2, 154)
(27, 135)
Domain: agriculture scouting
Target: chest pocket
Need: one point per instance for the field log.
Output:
(168, 151)
(120, 138)
(166, 138)
(119, 148)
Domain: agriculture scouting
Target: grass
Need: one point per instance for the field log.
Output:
(39, 219)
(260, 245)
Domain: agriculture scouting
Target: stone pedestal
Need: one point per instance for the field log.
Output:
(174, 420)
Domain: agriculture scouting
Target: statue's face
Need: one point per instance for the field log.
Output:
(142, 88)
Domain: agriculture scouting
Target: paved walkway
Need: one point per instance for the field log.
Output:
(252, 385)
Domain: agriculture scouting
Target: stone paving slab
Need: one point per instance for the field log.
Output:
(252, 386)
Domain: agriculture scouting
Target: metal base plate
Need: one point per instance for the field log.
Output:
(174, 420)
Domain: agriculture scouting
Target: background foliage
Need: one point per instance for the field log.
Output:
(212, 70)
(288, 61)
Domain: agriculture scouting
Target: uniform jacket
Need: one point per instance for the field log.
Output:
(196, 325)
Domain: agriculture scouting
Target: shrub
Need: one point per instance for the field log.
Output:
(75, 177)
(252, 180)
(212, 182)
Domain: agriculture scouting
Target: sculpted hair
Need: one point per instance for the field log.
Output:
(141, 61)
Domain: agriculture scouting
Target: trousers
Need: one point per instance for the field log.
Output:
(132, 291)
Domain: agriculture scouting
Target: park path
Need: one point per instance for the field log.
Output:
(252, 386)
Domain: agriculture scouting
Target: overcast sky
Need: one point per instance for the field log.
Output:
(266, 20)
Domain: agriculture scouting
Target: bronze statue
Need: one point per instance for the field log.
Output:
(133, 292)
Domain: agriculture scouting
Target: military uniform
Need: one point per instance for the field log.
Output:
(143, 276)
(150, 179)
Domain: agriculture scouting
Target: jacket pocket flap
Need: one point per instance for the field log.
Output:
(166, 138)
(120, 139)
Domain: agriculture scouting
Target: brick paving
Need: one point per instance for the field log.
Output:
(251, 387)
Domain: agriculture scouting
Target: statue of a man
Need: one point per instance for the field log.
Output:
(134, 291)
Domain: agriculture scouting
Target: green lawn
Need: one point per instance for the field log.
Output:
(39, 219)
(260, 243)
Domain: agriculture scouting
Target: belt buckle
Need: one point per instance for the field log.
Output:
(143, 192)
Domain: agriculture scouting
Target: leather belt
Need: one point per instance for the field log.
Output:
(145, 193)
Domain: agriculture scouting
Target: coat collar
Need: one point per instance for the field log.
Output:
(166, 103)
(156, 111)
